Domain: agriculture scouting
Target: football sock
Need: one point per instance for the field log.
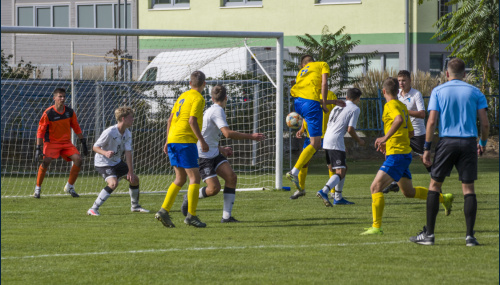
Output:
(305, 156)
(102, 197)
(203, 192)
(229, 196)
(330, 172)
(332, 182)
(73, 174)
(378, 203)
(432, 210)
(295, 171)
(192, 195)
(470, 210)
(422, 192)
(302, 177)
(40, 176)
(134, 195)
(172, 192)
(339, 187)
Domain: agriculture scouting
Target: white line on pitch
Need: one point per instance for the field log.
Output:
(282, 246)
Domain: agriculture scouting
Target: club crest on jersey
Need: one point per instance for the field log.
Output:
(338, 162)
(207, 170)
(109, 171)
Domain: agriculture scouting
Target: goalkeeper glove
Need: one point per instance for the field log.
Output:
(38, 153)
(85, 149)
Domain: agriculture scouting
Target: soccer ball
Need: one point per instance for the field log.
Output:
(294, 121)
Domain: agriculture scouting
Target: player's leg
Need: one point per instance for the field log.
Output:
(302, 175)
(70, 153)
(112, 183)
(173, 190)
(213, 188)
(192, 195)
(225, 171)
(333, 180)
(134, 193)
(42, 169)
(382, 179)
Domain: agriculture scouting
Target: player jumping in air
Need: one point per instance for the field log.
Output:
(110, 146)
(214, 162)
(183, 131)
(54, 140)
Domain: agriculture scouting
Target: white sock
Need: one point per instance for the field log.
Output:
(202, 189)
(38, 188)
(295, 171)
(332, 182)
(68, 185)
(101, 198)
(228, 205)
(134, 196)
(338, 189)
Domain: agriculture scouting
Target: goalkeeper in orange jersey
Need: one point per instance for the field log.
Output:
(53, 139)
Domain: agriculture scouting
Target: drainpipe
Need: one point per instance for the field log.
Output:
(407, 35)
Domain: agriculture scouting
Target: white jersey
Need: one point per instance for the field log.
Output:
(414, 102)
(214, 119)
(338, 122)
(112, 140)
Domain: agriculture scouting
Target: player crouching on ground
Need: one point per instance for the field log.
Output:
(214, 162)
(396, 146)
(54, 136)
(110, 146)
(341, 120)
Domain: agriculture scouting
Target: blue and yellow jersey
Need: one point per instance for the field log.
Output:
(308, 81)
(399, 143)
(331, 96)
(189, 104)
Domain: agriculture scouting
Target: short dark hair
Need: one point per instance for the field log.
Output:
(219, 93)
(353, 94)
(404, 73)
(305, 59)
(391, 86)
(59, 91)
(456, 66)
(197, 78)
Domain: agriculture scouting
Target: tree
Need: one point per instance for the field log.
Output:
(331, 48)
(21, 71)
(471, 33)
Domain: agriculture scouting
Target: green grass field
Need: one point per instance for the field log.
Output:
(279, 241)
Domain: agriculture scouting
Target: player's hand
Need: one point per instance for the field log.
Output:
(325, 109)
(38, 153)
(382, 148)
(258, 137)
(480, 150)
(132, 178)
(204, 146)
(361, 142)
(299, 134)
(85, 149)
(340, 103)
(226, 151)
(426, 158)
(379, 142)
(109, 153)
(165, 148)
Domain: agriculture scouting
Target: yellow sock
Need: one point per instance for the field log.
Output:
(421, 193)
(302, 177)
(330, 173)
(378, 203)
(305, 156)
(172, 192)
(193, 196)
(441, 199)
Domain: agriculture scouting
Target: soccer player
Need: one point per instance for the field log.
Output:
(54, 136)
(342, 120)
(456, 105)
(214, 162)
(303, 130)
(110, 146)
(396, 146)
(183, 131)
(414, 102)
(311, 85)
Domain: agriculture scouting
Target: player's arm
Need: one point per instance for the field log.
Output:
(130, 175)
(420, 113)
(340, 103)
(78, 131)
(485, 130)
(411, 134)
(301, 131)
(324, 91)
(397, 122)
(429, 136)
(193, 123)
(230, 134)
(165, 150)
(226, 151)
(106, 153)
(417, 114)
(42, 128)
(352, 132)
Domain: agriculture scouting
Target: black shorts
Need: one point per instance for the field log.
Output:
(337, 158)
(118, 171)
(458, 152)
(417, 144)
(208, 166)
(328, 162)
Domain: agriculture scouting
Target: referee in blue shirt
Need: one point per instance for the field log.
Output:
(456, 105)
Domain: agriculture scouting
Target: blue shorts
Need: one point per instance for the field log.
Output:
(307, 142)
(183, 155)
(397, 166)
(311, 111)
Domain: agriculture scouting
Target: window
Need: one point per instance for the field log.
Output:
(436, 63)
(150, 74)
(385, 61)
(170, 4)
(43, 16)
(337, 1)
(242, 3)
(103, 16)
(443, 8)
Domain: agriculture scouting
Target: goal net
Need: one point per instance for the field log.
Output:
(147, 71)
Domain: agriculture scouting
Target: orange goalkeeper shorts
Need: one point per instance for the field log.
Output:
(54, 150)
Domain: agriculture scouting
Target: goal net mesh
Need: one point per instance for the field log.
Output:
(145, 73)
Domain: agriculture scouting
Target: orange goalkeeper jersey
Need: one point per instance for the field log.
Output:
(56, 127)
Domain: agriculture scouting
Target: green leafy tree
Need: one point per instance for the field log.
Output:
(471, 33)
(21, 71)
(331, 48)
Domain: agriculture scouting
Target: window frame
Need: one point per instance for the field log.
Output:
(35, 14)
(171, 6)
(243, 4)
(336, 2)
(113, 14)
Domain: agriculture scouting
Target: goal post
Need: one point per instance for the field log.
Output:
(148, 76)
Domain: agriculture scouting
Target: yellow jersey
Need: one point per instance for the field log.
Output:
(189, 104)
(331, 96)
(399, 142)
(308, 81)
